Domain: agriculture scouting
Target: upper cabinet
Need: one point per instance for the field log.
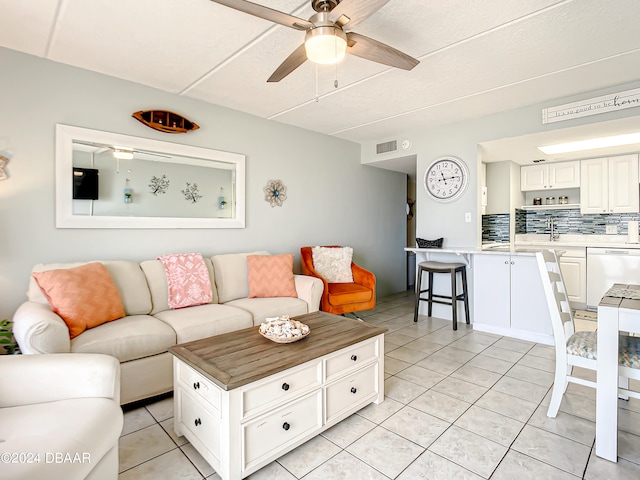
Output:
(550, 177)
(610, 185)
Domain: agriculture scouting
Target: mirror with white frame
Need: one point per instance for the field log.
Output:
(110, 180)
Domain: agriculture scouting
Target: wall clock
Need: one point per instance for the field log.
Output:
(446, 179)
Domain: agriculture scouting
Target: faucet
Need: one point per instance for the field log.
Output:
(552, 229)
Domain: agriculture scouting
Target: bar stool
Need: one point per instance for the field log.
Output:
(442, 267)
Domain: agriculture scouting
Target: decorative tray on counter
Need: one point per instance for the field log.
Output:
(283, 330)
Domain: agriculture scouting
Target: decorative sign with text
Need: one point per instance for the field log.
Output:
(592, 106)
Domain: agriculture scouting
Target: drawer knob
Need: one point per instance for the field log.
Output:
(198, 422)
(354, 389)
(196, 385)
(286, 426)
(285, 386)
(354, 357)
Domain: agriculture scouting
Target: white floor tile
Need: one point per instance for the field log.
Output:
(385, 451)
(495, 389)
(469, 450)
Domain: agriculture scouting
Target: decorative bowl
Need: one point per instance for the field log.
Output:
(283, 330)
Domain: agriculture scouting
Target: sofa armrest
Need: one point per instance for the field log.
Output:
(310, 290)
(31, 379)
(38, 330)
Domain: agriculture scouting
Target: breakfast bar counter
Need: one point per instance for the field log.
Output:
(506, 295)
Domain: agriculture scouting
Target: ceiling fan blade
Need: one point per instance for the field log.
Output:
(293, 61)
(267, 13)
(352, 12)
(370, 49)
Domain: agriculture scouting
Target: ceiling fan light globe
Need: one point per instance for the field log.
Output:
(123, 153)
(325, 45)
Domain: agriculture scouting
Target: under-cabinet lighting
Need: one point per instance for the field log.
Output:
(592, 144)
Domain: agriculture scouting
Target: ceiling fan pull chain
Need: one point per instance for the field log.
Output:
(335, 46)
(317, 95)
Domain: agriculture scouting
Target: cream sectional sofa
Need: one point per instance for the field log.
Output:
(140, 340)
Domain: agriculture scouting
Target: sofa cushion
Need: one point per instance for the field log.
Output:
(203, 321)
(128, 277)
(128, 338)
(85, 296)
(64, 426)
(271, 276)
(261, 308)
(333, 263)
(231, 275)
(157, 284)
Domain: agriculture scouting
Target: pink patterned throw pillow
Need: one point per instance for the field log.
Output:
(271, 276)
(187, 279)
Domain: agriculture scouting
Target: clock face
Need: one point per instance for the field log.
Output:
(446, 179)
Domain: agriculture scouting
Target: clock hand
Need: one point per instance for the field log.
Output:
(442, 175)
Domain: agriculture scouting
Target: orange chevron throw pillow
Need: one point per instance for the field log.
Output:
(83, 296)
(271, 276)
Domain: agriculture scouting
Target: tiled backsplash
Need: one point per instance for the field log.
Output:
(570, 222)
(495, 228)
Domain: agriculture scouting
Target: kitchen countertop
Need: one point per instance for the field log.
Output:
(528, 244)
(467, 251)
(606, 241)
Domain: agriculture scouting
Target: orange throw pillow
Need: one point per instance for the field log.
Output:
(271, 276)
(83, 296)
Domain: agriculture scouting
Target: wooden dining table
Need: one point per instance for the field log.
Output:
(618, 311)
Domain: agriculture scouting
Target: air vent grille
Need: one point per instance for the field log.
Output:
(387, 147)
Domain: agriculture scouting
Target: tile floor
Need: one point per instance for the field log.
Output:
(459, 405)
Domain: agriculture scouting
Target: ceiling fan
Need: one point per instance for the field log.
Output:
(327, 40)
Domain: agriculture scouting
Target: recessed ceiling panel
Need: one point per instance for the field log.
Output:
(26, 25)
(166, 44)
(477, 56)
(590, 77)
(494, 61)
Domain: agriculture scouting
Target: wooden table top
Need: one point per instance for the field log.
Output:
(234, 359)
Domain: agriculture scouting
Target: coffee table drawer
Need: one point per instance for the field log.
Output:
(281, 387)
(195, 416)
(351, 358)
(270, 433)
(351, 390)
(198, 384)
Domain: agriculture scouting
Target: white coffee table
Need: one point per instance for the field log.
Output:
(243, 401)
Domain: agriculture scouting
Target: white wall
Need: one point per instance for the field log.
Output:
(332, 198)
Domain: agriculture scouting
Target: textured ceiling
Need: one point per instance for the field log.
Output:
(477, 56)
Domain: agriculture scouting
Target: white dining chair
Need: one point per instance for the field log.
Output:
(578, 349)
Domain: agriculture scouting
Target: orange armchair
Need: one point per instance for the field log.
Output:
(341, 298)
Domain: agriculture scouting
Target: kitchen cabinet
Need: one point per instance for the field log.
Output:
(553, 176)
(573, 265)
(610, 185)
(509, 299)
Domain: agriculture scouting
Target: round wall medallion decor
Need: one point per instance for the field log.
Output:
(446, 179)
(275, 193)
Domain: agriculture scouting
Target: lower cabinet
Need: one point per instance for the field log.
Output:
(573, 264)
(238, 431)
(509, 299)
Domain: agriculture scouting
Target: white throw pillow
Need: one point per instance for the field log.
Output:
(334, 264)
